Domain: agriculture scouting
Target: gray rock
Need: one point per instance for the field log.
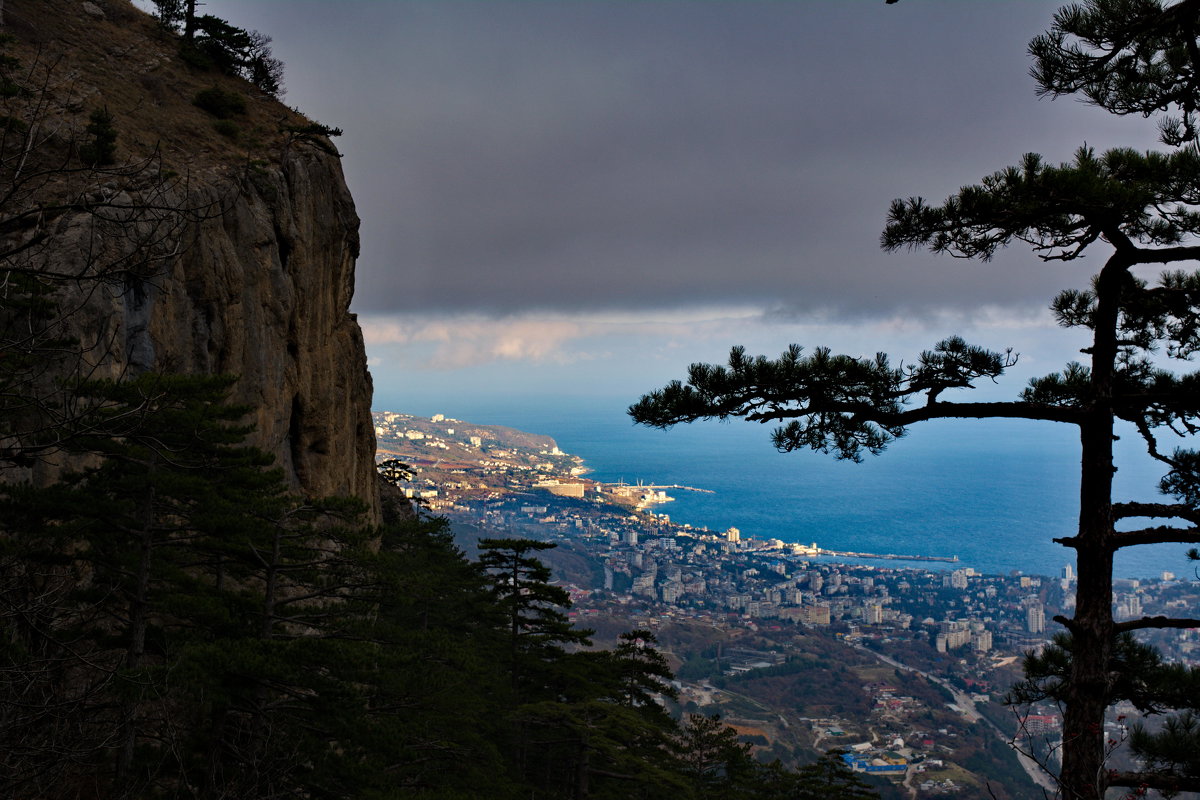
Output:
(260, 290)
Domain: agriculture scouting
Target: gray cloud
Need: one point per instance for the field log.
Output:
(511, 157)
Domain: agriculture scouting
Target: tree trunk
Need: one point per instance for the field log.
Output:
(583, 769)
(189, 21)
(139, 611)
(1088, 690)
(1083, 774)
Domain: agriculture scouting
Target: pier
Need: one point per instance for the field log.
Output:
(893, 556)
(640, 485)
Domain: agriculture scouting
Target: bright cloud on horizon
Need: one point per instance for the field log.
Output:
(440, 342)
(448, 342)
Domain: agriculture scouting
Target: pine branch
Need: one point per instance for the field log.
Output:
(1165, 255)
(937, 410)
(1154, 780)
(1155, 622)
(1138, 509)
(1160, 535)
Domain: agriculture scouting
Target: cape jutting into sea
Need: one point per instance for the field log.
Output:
(992, 492)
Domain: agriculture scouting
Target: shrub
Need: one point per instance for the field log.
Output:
(228, 129)
(102, 149)
(194, 57)
(220, 103)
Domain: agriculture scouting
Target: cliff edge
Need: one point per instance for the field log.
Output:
(235, 239)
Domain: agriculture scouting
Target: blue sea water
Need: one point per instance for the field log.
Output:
(995, 493)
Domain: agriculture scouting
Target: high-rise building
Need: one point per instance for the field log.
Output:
(671, 592)
(1035, 618)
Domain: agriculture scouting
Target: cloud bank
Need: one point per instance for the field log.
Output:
(513, 158)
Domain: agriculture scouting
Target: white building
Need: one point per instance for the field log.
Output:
(1035, 618)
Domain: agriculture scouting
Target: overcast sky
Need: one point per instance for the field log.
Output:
(583, 197)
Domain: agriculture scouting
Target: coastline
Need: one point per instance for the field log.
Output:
(995, 496)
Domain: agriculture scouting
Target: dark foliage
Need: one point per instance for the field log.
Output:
(211, 43)
(175, 623)
(221, 103)
(101, 149)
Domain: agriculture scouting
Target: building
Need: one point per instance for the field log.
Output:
(814, 615)
(671, 591)
(644, 585)
(1038, 724)
(952, 640)
(560, 489)
(1035, 618)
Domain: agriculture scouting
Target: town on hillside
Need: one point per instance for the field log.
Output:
(905, 668)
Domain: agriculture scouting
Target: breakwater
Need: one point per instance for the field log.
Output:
(892, 556)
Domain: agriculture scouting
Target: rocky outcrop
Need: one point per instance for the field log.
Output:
(261, 290)
(229, 249)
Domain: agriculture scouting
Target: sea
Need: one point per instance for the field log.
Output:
(994, 493)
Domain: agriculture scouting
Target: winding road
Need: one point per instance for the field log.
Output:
(966, 707)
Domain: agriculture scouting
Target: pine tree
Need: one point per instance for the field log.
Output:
(715, 763)
(642, 672)
(1128, 56)
(133, 549)
(534, 609)
(428, 672)
(828, 778)
(216, 43)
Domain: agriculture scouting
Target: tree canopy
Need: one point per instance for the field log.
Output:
(1142, 209)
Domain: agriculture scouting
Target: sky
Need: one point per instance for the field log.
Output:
(576, 199)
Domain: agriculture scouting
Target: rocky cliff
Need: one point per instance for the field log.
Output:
(242, 234)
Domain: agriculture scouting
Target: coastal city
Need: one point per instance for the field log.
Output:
(904, 667)
(522, 490)
(740, 614)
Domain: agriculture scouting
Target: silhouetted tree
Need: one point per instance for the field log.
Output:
(534, 610)
(641, 670)
(220, 45)
(713, 760)
(1144, 209)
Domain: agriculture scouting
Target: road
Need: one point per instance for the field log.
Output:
(966, 707)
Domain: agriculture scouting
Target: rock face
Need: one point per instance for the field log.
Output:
(262, 291)
(244, 235)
